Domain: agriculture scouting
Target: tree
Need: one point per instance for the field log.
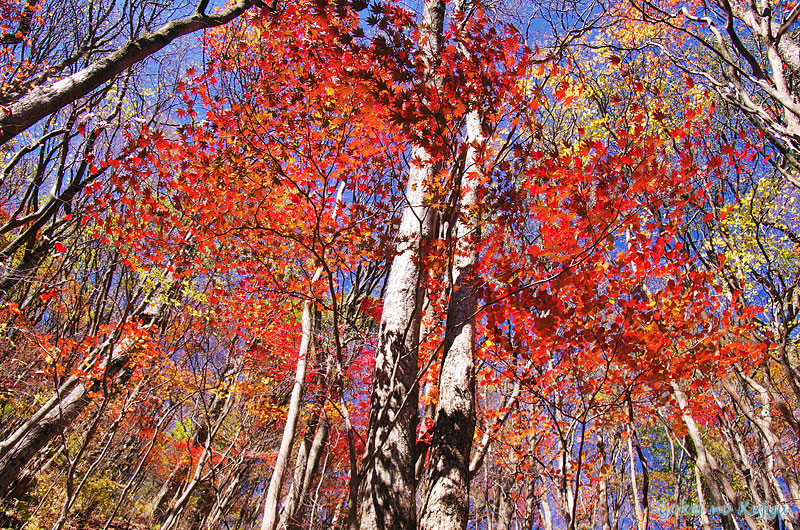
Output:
(540, 256)
(34, 97)
(748, 54)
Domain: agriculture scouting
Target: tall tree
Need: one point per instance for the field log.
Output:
(387, 498)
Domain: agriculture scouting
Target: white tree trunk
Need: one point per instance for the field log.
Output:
(270, 520)
(447, 500)
(387, 497)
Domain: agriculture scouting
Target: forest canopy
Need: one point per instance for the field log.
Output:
(376, 265)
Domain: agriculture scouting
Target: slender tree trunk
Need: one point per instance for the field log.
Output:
(216, 413)
(602, 490)
(72, 396)
(205, 502)
(545, 512)
(74, 490)
(770, 441)
(637, 507)
(719, 486)
(292, 414)
(704, 520)
(134, 478)
(167, 492)
(311, 448)
(293, 501)
(566, 497)
(179, 504)
(505, 504)
(232, 483)
(447, 500)
(388, 489)
(426, 420)
(270, 520)
(70, 400)
(483, 446)
(304, 476)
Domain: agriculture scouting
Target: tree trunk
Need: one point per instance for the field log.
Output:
(279, 471)
(173, 486)
(158, 508)
(602, 490)
(181, 500)
(387, 497)
(545, 512)
(505, 504)
(304, 477)
(233, 481)
(292, 502)
(719, 486)
(270, 520)
(71, 398)
(447, 499)
(483, 446)
(704, 520)
(641, 516)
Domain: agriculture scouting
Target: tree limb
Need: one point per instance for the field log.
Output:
(45, 100)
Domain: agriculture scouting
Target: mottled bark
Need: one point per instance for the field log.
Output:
(447, 497)
(387, 496)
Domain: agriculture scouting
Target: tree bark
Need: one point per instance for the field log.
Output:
(45, 100)
(483, 446)
(181, 500)
(389, 486)
(602, 490)
(304, 477)
(270, 520)
(447, 499)
(72, 396)
(233, 483)
(387, 498)
(719, 486)
(173, 487)
(60, 410)
(704, 520)
(506, 509)
(292, 414)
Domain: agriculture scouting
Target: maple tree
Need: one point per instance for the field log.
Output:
(375, 269)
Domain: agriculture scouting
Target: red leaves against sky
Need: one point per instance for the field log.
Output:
(582, 267)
